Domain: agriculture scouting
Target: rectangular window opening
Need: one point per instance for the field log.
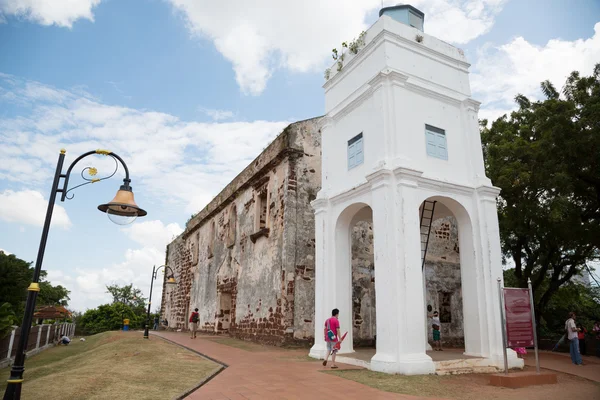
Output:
(436, 142)
(355, 151)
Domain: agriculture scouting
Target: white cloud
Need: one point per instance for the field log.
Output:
(182, 163)
(260, 36)
(88, 287)
(49, 12)
(519, 66)
(29, 207)
(217, 115)
(153, 234)
(176, 164)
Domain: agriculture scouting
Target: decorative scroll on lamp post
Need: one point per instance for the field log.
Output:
(121, 210)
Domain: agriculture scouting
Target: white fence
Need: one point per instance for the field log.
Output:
(40, 338)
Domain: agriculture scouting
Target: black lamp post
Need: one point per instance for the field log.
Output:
(170, 281)
(121, 210)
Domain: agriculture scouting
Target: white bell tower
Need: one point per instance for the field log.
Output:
(402, 130)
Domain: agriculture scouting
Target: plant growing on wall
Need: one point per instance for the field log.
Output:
(354, 47)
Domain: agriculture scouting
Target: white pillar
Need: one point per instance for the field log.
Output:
(48, 334)
(401, 336)
(492, 270)
(341, 278)
(37, 343)
(11, 342)
(319, 348)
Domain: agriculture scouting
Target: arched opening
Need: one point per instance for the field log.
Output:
(449, 274)
(355, 276)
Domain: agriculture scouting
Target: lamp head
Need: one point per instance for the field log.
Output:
(122, 210)
(171, 281)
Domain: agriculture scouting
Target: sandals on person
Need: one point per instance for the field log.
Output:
(334, 366)
(324, 363)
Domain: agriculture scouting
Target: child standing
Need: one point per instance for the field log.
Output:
(436, 326)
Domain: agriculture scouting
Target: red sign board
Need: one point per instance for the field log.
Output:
(519, 329)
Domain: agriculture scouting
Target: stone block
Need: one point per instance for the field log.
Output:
(515, 380)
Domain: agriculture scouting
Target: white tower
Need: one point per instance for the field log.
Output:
(402, 131)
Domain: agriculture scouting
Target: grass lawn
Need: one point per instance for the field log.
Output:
(112, 365)
(471, 386)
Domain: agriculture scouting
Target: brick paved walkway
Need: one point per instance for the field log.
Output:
(562, 363)
(268, 375)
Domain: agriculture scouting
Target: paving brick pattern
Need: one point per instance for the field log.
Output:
(269, 375)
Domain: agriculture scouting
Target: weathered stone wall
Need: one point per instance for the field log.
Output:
(363, 285)
(443, 280)
(304, 181)
(242, 257)
(175, 301)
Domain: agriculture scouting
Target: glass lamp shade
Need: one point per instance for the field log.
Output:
(122, 210)
(171, 281)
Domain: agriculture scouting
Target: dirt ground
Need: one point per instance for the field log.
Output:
(473, 386)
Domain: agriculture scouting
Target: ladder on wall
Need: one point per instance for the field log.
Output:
(426, 222)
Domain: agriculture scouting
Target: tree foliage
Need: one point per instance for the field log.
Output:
(545, 158)
(15, 277)
(7, 319)
(126, 294)
(127, 303)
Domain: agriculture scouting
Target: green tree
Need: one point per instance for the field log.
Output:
(544, 157)
(53, 295)
(15, 277)
(7, 319)
(126, 294)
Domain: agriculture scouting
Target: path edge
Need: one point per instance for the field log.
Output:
(204, 381)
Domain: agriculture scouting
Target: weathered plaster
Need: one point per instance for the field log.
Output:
(241, 258)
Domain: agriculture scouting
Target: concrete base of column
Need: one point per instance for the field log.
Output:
(318, 351)
(408, 364)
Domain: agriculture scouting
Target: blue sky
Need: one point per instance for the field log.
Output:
(188, 92)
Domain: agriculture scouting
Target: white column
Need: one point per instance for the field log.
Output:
(492, 270)
(37, 343)
(341, 279)
(401, 340)
(48, 334)
(11, 342)
(319, 349)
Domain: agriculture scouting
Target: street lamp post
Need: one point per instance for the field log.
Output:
(121, 210)
(170, 281)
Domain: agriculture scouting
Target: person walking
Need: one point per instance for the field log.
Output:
(571, 330)
(194, 319)
(332, 335)
(156, 323)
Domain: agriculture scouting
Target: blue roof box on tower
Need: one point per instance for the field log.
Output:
(405, 14)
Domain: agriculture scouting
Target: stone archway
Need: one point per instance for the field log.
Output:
(352, 292)
(452, 285)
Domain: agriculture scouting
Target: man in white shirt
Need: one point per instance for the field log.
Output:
(571, 332)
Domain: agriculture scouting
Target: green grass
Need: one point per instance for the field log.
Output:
(419, 385)
(470, 386)
(112, 365)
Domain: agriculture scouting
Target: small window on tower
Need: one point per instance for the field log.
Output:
(436, 142)
(415, 20)
(355, 151)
